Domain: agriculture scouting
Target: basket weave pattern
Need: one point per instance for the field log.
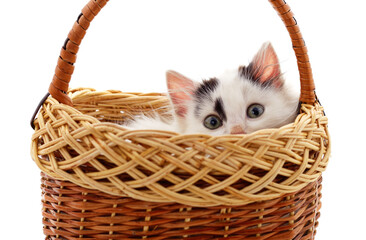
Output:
(74, 212)
(101, 181)
(198, 170)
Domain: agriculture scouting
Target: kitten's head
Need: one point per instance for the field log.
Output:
(240, 101)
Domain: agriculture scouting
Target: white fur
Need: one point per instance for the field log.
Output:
(237, 95)
(153, 123)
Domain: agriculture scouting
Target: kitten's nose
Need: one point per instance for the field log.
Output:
(237, 130)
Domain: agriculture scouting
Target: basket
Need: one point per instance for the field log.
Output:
(101, 181)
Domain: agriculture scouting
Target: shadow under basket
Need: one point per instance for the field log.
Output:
(102, 181)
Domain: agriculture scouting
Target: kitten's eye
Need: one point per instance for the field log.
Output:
(255, 110)
(212, 122)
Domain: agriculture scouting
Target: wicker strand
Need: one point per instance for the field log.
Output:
(292, 216)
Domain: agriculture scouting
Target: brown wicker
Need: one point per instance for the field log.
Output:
(100, 181)
(75, 212)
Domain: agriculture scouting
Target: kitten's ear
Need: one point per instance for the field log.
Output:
(180, 89)
(266, 67)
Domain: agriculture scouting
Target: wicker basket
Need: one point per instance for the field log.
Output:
(100, 181)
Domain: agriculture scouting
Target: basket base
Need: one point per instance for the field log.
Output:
(73, 212)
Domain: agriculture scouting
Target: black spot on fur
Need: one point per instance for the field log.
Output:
(219, 108)
(249, 72)
(204, 92)
(206, 88)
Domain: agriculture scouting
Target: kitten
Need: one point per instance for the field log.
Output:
(241, 101)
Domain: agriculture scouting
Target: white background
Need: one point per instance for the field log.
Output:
(131, 44)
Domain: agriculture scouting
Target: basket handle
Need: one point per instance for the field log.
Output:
(65, 65)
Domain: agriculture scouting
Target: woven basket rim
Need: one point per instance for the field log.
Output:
(310, 128)
(81, 92)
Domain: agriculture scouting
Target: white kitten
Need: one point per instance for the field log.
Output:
(240, 101)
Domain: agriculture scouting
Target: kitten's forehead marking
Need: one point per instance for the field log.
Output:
(203, 92)
(206, 88)
(219, 108)
(233, 93)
